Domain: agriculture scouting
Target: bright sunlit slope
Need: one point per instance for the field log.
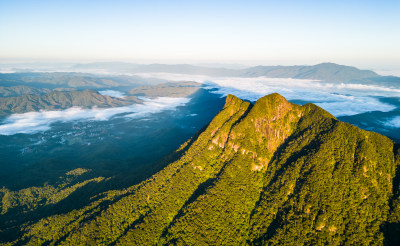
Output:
(269, 173)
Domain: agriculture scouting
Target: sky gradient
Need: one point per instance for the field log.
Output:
(360, 33)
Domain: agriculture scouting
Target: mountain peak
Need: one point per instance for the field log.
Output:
(232, 100)
(274, 173)
(272, 101)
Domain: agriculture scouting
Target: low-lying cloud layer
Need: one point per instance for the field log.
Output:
(393, 123)
(112, 93)
(34, 122)
(339, 99)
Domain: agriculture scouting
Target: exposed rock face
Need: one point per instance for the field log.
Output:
(269, 173)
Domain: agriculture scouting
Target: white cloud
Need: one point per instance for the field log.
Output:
(339, 99)
(355, 105)
(394, 122)
(34, 122)
(7, 71)
(112, 93)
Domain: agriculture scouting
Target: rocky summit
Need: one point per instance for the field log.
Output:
(272, 173)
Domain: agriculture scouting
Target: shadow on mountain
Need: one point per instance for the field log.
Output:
(92, 191)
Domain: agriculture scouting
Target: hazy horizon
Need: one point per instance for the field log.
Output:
(385, 70)
(356, 33)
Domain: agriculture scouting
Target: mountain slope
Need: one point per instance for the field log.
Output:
(61, 79)
(269, 173)
(331, 183)
(56, 100)
(13, 91)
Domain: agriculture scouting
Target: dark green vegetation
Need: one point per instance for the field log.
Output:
(57, 100)
(117, 157)
(371, 120)
(270, 173)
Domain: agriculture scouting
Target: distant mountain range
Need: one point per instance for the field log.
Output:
(53, 80)
(325, 71)
(58, 80)
(117, 74)
(272, 173)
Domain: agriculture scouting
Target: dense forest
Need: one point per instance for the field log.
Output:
(272, 173)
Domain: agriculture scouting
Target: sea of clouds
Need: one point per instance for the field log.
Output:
(33, 122)
(338, 98)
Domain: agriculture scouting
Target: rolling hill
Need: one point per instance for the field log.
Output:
(18, 90)
(57, 100)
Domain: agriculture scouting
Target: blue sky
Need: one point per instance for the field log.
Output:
(364, 33)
